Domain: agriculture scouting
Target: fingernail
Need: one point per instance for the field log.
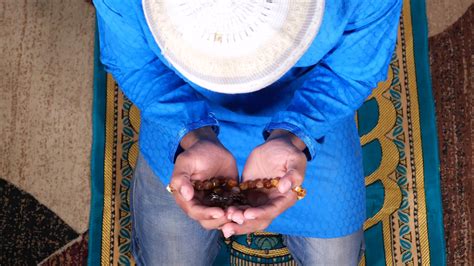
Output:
(217, 216)
(249, 216)
(238, 220)
(228, 233)
(284, 185)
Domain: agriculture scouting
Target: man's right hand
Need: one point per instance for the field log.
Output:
(203, 157)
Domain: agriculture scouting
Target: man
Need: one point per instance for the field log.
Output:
(261, 88)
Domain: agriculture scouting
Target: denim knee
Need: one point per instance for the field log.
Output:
(162, 234)
(347, 250)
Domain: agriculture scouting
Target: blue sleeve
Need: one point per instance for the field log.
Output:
(169, 106)
(338, 85)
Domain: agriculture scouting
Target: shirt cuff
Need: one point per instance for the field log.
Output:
(310, 142)
(205, 122)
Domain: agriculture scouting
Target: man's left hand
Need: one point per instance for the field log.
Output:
(280, 156)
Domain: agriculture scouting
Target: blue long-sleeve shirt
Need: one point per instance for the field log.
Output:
(315, 100)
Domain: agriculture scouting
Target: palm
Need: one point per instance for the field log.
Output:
(206, 160)
(268, 161)
(275, 158)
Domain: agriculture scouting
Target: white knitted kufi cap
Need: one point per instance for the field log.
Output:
(233, 46)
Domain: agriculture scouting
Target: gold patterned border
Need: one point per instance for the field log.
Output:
(110, 142)
(418, 152)
(418, 233)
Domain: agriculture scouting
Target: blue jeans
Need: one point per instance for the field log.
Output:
(162, 234)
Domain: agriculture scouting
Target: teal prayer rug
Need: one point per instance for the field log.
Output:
(398, 133)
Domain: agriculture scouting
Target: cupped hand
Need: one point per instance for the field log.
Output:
(203, 157)
(280, 156)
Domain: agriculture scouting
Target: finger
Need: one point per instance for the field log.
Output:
(197, 211)
(230, 211)
(294, 176)
(270, 210)
(291, 179)
(230, 229)
(238, 216)
(183, 186)
(214, 223)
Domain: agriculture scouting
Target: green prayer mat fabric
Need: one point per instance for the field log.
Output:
(398, 133)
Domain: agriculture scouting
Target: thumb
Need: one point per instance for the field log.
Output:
(182, 184)
(291, 179)
(295, 174)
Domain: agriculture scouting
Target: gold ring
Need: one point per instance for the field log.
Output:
(170, 189)
(300, 192)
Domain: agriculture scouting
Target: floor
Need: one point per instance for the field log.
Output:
(46, 88)
(45, 109)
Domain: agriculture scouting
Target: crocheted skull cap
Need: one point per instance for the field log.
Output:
(233, 46)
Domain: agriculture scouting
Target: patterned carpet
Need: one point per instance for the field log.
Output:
(29, 230)
(453, 78)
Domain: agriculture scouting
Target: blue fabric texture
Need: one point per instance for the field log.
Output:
(316, 100)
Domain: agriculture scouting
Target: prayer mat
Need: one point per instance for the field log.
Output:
(398, 133)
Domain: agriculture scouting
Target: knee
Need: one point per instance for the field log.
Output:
(172, 249)
(183, 255)
(346, 250)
